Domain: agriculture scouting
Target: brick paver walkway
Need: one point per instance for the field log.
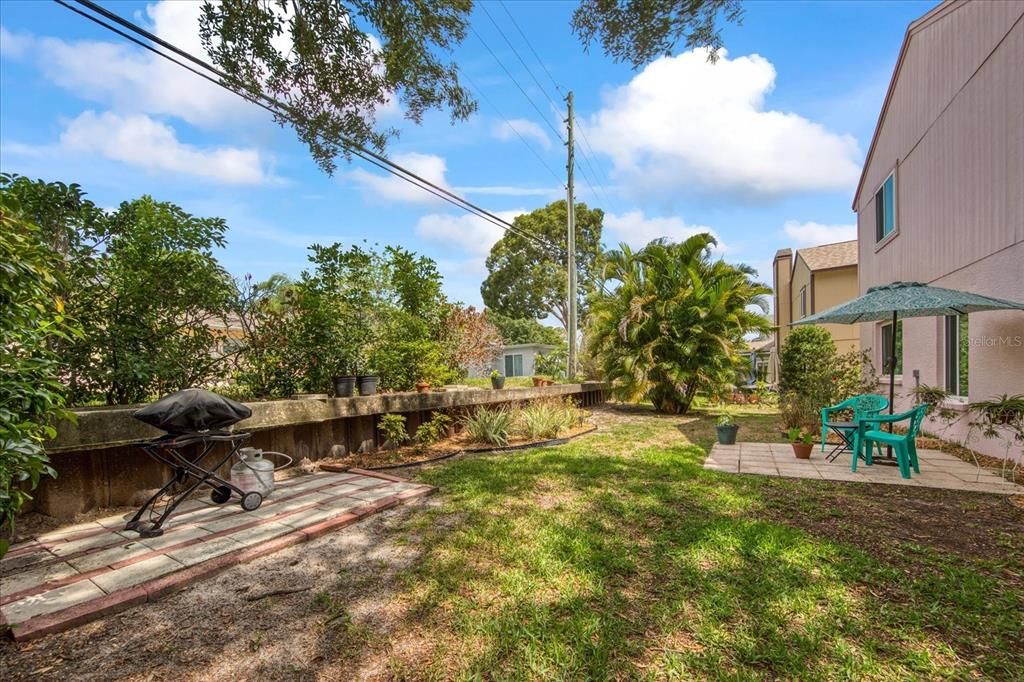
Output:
(938, 469)
(79, 573)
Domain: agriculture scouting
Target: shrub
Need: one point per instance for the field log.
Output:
(853, 373)
(799, 411)
(491, 426)
(548, 418)
(806, 360)
(402, 364)
(31, 399)
(433, 430)
(541, 419)
(552, 364)
(393, 428)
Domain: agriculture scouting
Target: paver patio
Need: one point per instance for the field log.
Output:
(79, 573)
(938, 469)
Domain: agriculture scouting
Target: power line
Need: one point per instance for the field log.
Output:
(521, 89)
(275, 107)
(526, 40)
(515, 130)
(508, 42)
(590, 181)
(281, 110)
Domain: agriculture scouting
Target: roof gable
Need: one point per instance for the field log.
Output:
(829, 256)
(932, 15)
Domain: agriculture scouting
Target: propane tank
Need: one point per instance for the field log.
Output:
(252, 472)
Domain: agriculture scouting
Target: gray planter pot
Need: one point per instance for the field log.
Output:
(727, 434)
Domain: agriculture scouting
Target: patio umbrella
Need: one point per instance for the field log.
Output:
(906, 299)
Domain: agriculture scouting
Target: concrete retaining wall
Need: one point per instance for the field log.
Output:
(98, 464)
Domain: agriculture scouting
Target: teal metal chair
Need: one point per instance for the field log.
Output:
(871, 435)
(863, 406)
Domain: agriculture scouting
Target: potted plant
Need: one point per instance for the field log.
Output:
(727, 428)
(344, 385)
(497, 380)
(802, 442)
(538, 380)
(423, 386)
(368, 384)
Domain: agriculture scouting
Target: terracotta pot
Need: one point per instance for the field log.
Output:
(802, 450)
(549, 382)
(537, 381)
(422, 387)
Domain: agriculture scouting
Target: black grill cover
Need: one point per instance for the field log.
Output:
(192, 410)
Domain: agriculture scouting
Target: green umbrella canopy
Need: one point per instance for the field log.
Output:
(908, 299)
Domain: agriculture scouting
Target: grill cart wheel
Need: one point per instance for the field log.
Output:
(252, 501)
(221, 494)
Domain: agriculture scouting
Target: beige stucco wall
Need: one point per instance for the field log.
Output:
(801, 277)
(783, 304)
(825, 289)
(832, 287)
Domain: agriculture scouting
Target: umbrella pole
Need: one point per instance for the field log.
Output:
(892, 378)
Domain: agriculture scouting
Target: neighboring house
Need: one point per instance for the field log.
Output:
(941, 201)
(517, 360)
(815, 279)
(759, 353)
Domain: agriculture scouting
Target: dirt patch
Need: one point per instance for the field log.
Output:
(883, 519)
(32, 524)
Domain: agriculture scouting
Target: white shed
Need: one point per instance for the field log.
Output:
(516, 360)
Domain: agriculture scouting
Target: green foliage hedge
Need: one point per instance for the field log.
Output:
(32, 321)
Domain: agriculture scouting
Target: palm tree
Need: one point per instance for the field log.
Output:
(675, 323)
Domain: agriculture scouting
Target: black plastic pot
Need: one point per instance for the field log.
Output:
(343, 386)
(368, 385)
(727, 434)
(497, 383)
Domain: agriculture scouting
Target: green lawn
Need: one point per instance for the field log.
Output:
(618, 556)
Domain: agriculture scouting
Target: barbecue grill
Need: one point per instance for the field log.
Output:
(195, 422)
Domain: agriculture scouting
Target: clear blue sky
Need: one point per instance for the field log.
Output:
(762, 148)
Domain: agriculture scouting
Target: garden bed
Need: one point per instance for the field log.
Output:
(459, 443)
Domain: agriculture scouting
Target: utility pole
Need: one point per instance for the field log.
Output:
(571, 243)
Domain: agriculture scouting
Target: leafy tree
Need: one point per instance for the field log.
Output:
(515, 330)
(31, 320)
(528, 280)
(335, 63)
(638, 31)
(675, 323)
(143, 284)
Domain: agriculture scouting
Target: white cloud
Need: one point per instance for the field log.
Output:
(127, 79)
(469, 234)
(506, 130)
(813, 234)
(392, 188)
(637, 230)
(13, 45)
(140, 141)
(512, 191)
(130, 80)
(686, 124)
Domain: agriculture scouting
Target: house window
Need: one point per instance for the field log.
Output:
(887, 347)
(803, 301)
(957, 347)
(514, 365)
(885, 208)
